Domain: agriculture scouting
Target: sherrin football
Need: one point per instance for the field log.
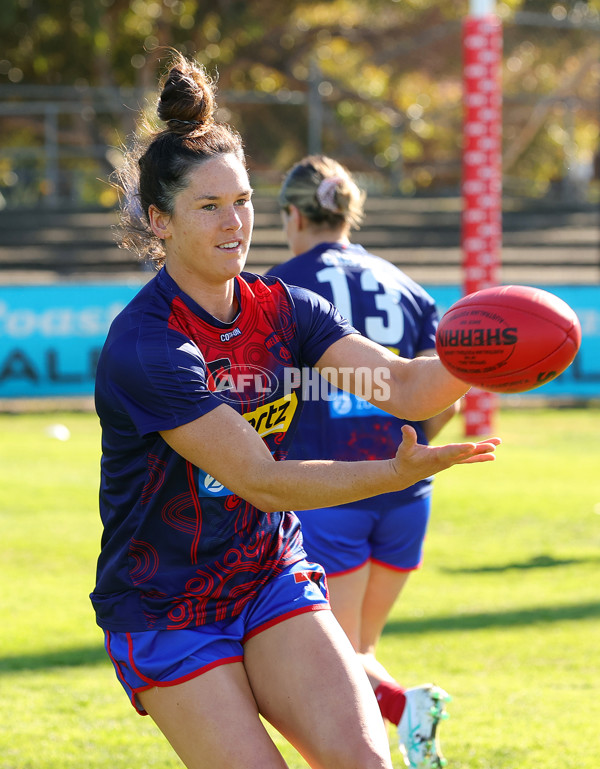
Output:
(508, 339)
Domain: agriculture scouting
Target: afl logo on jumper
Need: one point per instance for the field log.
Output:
(235, 382)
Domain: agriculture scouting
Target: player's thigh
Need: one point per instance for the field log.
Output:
(346, 596)
(204, 718)
(309, 684)
(383, 588)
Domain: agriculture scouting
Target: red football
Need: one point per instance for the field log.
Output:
(508, 339)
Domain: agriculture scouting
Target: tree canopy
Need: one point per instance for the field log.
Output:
(383, 77)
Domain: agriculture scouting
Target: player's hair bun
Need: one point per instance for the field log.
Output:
(187, 99)
(155, 168)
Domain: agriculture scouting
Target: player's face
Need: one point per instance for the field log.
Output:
(208, 235)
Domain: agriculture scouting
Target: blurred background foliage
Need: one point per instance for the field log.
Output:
(376, 83)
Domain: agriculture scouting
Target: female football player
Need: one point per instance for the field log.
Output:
(214, 619)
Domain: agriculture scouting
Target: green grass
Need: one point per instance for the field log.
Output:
(505, 613)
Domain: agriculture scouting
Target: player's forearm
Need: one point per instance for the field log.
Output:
(422, 389)
(227, 447)
(414, 389)
(309, 484)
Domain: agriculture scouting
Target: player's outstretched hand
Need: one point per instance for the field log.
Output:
(415, 461)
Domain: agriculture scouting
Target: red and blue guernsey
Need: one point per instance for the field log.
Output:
(179, 549)
(387, 306)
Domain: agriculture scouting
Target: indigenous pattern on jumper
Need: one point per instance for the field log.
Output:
(179, 548)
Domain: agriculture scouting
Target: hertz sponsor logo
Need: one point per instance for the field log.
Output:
(275, 417)
(478, 337)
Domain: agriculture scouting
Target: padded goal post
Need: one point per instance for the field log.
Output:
(481, 235)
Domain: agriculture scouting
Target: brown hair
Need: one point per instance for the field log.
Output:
(156, 168)
(324, 191)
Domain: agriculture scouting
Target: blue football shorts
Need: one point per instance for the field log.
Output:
(150, 658)
(343, 539)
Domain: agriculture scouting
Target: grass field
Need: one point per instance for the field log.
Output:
(505, 613)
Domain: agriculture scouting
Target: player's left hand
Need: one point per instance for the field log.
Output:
(415, 460)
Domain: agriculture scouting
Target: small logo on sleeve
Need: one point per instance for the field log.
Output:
(208, 486)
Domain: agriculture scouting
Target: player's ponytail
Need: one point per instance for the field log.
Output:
(324, 192)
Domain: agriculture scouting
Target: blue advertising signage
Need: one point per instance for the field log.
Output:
(51, 336)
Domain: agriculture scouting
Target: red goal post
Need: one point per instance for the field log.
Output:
(481, 235)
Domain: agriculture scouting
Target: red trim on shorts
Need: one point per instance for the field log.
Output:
(134, 667)
(379, 563)
(120, 676)
(176, 681)
(282, 618)
(397, 568)
(347, 571)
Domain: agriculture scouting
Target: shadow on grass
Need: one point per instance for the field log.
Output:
(537, 562)
(545, 615)
(45, 660)
(542, 615)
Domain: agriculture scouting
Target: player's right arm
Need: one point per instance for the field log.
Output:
(227, 447)
(417, 388)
